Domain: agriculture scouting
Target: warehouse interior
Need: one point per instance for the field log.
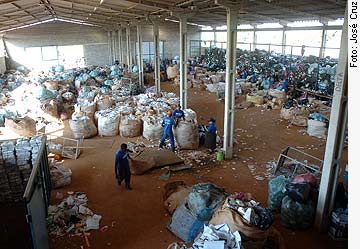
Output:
(257, 158)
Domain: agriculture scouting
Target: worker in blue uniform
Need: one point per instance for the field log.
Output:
(211, 128)
(122, 168)
(210, 136)
(168, 124)
(178, 114)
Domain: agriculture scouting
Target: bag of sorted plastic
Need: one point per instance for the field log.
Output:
(130, 126)
(316, 128)
(184, 223)
(83, 127)
(299, 192)
(204, 199)
(277, 192)
(296, 215)
(108, 124)
(152, 130)
(103, 102)
(187, 135)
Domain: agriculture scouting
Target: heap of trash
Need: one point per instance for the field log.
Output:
(206, 215)
(264, 68)
(44, 97)
(72, 216)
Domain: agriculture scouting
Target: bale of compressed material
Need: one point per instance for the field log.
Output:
(103, 102)
(187, 135)
(152, 130)
(25, 126)
(108, 124)
(82, 126)
(130, 126)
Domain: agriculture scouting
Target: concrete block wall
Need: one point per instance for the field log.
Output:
(94, 40)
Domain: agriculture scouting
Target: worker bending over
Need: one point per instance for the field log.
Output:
(178, 114)
(168, 124)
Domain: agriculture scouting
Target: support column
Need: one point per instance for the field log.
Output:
(214, 28)
(230, 81)
(156, 57)
(128, 46)
(113, 38)
(110, 47)
(2, 55)
(335, 138)
(283, 42)
(140, 58)
(183, 67)
(121, 59)
(323, 43)
(254, 38)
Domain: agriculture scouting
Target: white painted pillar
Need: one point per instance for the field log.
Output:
(183, 65)
(140, 58)
(128, 46)
(215, 38)
(113, 38)
(283, 42)
(121, 59)
(2, 55)
(110, 47)
(156, 57)
(335, 138)
(323, 43)
(230, 82)
(254, 38)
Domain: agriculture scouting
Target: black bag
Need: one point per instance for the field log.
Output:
(299, 192)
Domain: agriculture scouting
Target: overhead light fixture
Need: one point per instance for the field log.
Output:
(101, 1)
(95, 8)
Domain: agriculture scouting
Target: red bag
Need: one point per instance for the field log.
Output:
(306, 178)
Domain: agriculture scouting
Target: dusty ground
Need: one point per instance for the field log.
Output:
(140, 219)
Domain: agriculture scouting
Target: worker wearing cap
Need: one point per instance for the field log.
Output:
(178, 114)
(168, 123)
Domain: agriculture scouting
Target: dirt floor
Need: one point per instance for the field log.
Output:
(139, 215)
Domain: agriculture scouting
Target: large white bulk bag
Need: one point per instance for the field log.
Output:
(130, 127)
(83, 127)
(152, 132)
(316, 128)
(172, 72)
(187, 135)
(88, 108)
(108, 124)
(103, 102)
